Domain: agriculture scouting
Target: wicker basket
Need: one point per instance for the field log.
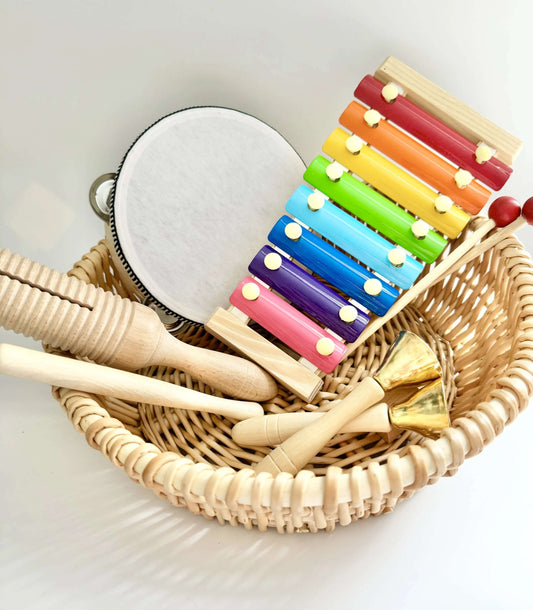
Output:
(479, 321)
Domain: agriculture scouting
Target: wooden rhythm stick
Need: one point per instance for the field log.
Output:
(89, 322)
(95, 378)
(366, 238)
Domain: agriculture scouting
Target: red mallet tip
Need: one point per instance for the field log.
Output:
(527, 211)
(504, 210)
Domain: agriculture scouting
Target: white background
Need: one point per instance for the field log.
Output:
(79, 81)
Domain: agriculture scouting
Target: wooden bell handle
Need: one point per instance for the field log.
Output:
(88, 377)
(294, 453)
(273, 429)
(80, 318)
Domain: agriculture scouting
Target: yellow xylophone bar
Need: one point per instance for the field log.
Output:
(437, 210)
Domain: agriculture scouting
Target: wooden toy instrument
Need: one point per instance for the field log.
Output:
(75, 374)
(174, 200)
(349, 247)
(72, 316)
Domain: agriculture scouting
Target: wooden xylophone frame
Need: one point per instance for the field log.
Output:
(437, 161)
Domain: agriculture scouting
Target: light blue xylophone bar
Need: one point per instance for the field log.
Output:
(353, 237)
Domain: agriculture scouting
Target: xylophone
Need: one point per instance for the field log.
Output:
(349, 246)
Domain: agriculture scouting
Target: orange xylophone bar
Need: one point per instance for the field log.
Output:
(414, 157)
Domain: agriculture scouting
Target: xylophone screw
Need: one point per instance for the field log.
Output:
(483, 153)
(420, 229)
(250, 291)
(372, 118)
(334, 171)
(325, 346)
(293, 231)
(443, 203)
(272, 261)
(315, 201)
(390, 92)
(354, 144)
(396, 257)
(463, 178)
(348, 314)
(373, 287)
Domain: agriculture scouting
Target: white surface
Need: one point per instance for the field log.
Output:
(79, 81)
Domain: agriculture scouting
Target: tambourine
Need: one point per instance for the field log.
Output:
(191, 199)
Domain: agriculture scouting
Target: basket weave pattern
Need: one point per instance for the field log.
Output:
(480, 323)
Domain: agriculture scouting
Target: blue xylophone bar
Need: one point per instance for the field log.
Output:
(333, 266)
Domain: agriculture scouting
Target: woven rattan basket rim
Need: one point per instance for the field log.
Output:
(308, 501)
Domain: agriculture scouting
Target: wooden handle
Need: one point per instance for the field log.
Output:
(422, 285)
(88, 377)
(293, 454)
(232, 375)
(92, 323)
(274, 429)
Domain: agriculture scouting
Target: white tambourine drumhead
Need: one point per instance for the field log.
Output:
(193, 201)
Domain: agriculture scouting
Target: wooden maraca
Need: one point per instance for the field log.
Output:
(89, 322)
(425, 413)
(409, 361)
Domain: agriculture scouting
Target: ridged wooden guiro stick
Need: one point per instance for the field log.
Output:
(88, 377)
(89, 322)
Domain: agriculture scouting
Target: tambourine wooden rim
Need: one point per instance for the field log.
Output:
(150, 298)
